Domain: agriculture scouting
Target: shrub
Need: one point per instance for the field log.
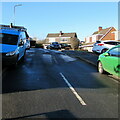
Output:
(37, 45)
(74, 43)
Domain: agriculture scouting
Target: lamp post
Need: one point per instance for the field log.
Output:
(14, 11)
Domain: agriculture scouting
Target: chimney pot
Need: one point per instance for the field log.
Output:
(60, 32)
(100, 28)
(11, 25)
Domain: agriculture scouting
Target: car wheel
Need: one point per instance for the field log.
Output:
(100, 68)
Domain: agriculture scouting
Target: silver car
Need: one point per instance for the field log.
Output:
(103, 46)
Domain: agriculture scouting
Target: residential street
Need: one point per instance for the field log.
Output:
(50, 84)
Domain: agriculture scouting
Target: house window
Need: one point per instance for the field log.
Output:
(64, 39)
(51, 40)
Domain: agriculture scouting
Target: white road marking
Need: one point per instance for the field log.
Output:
(67, 58)
(73, 90)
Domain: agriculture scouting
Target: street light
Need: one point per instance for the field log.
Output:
(14, 11)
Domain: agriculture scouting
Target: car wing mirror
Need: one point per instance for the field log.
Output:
(106, 54)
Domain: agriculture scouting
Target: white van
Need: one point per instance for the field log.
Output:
(12, 42)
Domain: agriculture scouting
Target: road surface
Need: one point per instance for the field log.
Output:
(50, 84)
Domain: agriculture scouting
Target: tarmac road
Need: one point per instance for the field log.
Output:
(50, 84)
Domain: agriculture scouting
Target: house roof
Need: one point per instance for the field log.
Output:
(103, 31)
(62, 35)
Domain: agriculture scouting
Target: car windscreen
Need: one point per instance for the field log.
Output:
(55, 43)
(115, 52)
(8, 39)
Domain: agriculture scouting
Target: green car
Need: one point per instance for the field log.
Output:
(110, 61)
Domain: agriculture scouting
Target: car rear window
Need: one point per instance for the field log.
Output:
(55, 43)
(8, 39)
(112, 43)
(98, 41)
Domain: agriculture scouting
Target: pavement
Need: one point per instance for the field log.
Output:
(88, 57)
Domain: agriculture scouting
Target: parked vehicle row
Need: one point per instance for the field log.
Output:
(54, 45)
(14, 43)
(109, 61)
(57, 46)
(65, 46)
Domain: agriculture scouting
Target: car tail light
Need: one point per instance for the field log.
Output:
(100, 44)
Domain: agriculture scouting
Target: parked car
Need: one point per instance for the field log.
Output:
(109, 61)
(103, 46)
(54, 45)
(12, 42)
(27, 44)
(48, 47)
(65, 46)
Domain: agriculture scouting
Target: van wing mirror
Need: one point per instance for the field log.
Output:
(21, 43)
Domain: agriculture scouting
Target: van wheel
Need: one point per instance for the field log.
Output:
(100, 68)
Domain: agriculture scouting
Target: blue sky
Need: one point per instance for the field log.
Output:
(41, 18)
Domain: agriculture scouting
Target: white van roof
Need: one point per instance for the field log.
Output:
(7, 31)
(9, 27)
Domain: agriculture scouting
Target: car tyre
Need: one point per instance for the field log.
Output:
(100, 68)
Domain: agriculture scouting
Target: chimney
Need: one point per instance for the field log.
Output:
(100, 28)
(11, 25)
(60, 33)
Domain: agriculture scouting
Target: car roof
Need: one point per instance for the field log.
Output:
(10, 31)
(117, 46)
(110, 41)
(106, 41)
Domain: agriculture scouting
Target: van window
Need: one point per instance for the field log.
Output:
(23, 35)
(8, 39)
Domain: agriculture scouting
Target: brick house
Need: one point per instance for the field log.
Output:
(101, 34)
(117, 35)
